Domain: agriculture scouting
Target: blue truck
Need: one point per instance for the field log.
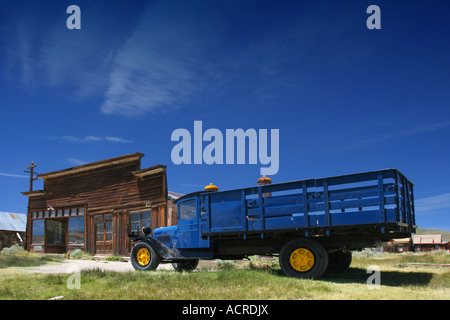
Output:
(311, 225)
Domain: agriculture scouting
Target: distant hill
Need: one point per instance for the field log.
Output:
(445, 234)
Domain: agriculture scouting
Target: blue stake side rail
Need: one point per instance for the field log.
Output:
(381, 198)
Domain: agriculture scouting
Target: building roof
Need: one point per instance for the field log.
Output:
(149, 171)
(13, 221)
(400, 241)
(93, 165)
(174, 195)
(427, 238)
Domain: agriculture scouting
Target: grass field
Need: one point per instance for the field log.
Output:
(258, 279)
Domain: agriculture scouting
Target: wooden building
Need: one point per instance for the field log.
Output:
(398, 245)
(429, 243)
(94, 206)
(419, 243)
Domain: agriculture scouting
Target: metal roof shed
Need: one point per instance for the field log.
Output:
(12, 228)
(13, 222)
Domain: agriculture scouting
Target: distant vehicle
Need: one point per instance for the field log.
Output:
(312, 225)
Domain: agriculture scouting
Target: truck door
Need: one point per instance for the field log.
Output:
(189, 235)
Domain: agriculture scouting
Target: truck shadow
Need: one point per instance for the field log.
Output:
(387, 278)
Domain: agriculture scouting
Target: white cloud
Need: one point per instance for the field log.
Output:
(48, 55)
(88, 139)
(76, 162)
(434, 203)
(116, 139)
(412, 130)
(13, 175)
(92, 138)
(157, 58)
(158, 67)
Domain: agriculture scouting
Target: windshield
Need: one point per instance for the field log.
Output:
(188, 209)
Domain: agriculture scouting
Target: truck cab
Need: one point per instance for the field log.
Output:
(187, 234)
(182, 245)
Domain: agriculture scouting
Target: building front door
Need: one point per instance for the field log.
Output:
(103, 234)
(55, 235)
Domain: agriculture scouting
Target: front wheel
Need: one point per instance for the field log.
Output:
(303, 258)
(339, 261)
(186, 265)
(143, 257)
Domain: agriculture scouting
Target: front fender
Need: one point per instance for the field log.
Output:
(161, 249)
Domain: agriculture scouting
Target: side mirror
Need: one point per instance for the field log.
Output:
(146, 230)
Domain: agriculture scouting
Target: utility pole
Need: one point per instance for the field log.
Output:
(32, 173)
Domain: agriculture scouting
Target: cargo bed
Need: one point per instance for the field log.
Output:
(382, 201)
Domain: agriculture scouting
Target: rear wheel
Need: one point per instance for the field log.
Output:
(303, 258)
(143, 257)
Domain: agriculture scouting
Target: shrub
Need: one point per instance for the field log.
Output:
(368, 253)
(16, 256)
(114, 258)
(79, 254)
(224, 265)
(257, 262)
(13, 249)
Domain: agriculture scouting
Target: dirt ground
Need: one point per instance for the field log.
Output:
(69, 266)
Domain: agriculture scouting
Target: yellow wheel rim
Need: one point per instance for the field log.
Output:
(143, 257)
(301, 260)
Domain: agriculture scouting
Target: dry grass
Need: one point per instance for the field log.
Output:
(257, 279)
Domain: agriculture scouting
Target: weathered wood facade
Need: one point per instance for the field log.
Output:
(94, 206)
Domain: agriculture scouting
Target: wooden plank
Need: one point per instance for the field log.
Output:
(327, 203)
(305, 206)
(381, 197)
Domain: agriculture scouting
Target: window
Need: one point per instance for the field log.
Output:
(135, 222)
(37, 237)
(76, 231)
(188, 209)
(147, 218)
(108, 227)
(139, 220)
(100, 234)
(57, 227)
(104, 227)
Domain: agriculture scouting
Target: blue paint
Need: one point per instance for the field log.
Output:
(376, 197)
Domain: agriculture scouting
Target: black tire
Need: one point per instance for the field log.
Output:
(186, 265)
(143, 257)
(303, 258)
(339, 261)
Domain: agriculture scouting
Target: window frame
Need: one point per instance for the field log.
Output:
(64, 214)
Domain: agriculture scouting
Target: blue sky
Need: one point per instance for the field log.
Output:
(344, 98)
